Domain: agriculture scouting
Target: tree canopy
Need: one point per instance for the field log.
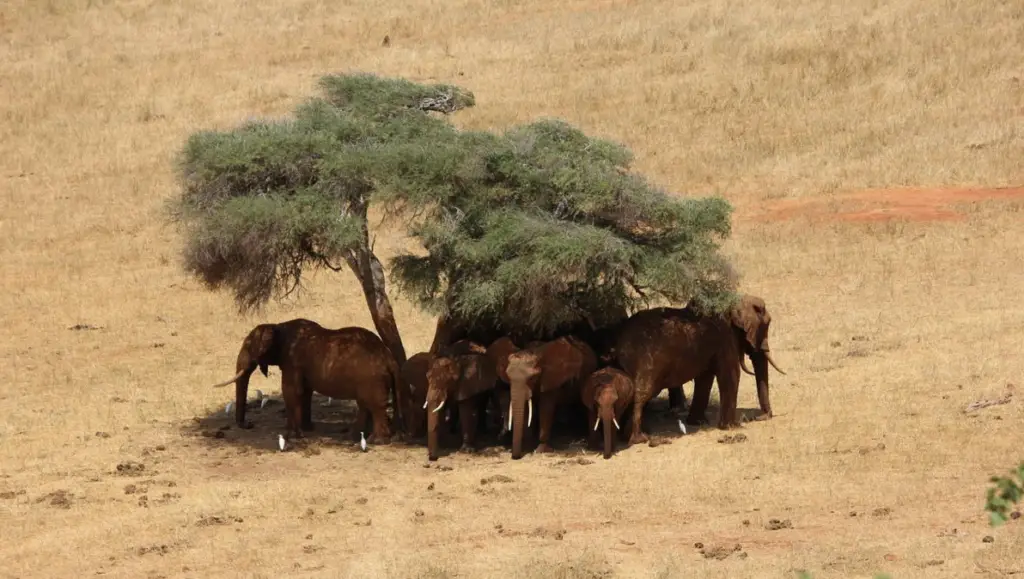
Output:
(534, 227)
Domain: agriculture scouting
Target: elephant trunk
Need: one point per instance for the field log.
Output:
(608, 417)
(519, 398)
(760, 360)
(242, 392)
(434, 418)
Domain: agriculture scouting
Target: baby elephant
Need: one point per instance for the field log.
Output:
(607, 393)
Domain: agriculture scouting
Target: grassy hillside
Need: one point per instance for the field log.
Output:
(888, 330)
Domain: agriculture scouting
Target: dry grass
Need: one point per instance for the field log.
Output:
(887, 330)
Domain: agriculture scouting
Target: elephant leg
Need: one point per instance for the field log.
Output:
(701, 397)
(468, 420)
(546, 407)
(677, 399)
(307, 407)
(381, 428)
(728, 377)
(363, 420)
(291, 392)
(644, 393)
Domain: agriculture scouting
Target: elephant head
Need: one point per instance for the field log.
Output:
(607, 392)
(259, 349)
(458, 377)
(543, 369)
(750, 319)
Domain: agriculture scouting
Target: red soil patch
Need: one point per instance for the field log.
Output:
(914, 204)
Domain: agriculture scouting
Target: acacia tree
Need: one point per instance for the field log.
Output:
(528, 230)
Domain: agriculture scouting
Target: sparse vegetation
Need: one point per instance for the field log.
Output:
(1007, 493)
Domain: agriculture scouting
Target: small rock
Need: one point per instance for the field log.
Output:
(698, 545)
(776, 524)
(419, 513)
(890, 557)
(988, 539)
(746, 523)
(1015, 515)
(498, 478)
(361, 501)
(102, 435)
(430, 487)
(309, 537)
(881, 512)
(733, 438)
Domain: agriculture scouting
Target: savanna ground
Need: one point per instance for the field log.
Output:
(893, 309)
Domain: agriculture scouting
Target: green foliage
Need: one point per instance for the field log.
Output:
(536, 227)
(1007, 492)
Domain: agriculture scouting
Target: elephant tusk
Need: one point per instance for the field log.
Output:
(226, 382)
(743, 364)
(529, 416)
(772, 362)
(616, 423)
(510, 416)
(441, 405)
(425, 405)
(597, 422)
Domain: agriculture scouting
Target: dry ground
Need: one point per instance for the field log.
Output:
(888, 328)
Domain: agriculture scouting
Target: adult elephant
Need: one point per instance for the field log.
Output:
(552, 372)
(498, 351)
(414, 376)
(350, 363)
(750, 314)
(463, 377)
(667, 347)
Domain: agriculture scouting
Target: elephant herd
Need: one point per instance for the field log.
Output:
(607, 375)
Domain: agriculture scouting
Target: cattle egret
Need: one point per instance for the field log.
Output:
(259, 395)
(682, 427)
(362, 442)
(280, 441)
(227, 407)
(328, 403)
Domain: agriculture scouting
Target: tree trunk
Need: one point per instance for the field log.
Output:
(370, 273)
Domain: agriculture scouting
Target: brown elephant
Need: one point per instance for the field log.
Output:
(463, 376)
(667, 347)
(498, 352)
(350, 363)
(750, 314)
(414, 375)
(606, 393)
(552, 372)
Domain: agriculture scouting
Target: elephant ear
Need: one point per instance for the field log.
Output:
(262, 342)
(749, 316)
(477, 376)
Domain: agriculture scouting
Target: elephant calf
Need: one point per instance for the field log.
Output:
(607, 393)
(349, 363)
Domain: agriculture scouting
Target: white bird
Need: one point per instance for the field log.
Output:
(228, 407)
(259, 395)
(328, 403)
(264, 402)
(682, 427)
(362, 441)
(280, 441)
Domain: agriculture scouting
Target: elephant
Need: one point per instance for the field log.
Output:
(606, 393)
(667, 347)
(498, 352)
(350, 363)
(463, 376)
(552, 372)
(750, 313)
(414, 375)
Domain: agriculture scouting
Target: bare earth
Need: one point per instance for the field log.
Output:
(873, 153)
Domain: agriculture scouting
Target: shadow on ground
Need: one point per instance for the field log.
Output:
(333, 422)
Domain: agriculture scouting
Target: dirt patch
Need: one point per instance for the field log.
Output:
(913, 204)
